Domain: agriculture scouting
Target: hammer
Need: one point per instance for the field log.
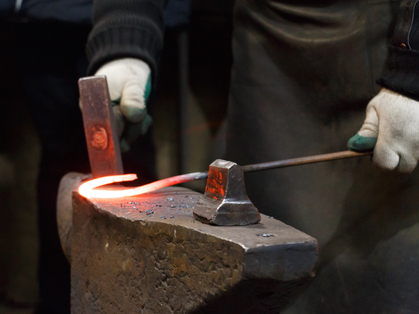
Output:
(225, 201)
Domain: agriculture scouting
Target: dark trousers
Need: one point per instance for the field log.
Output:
(303, 74)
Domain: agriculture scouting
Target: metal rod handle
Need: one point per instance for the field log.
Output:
(263, 166)
(302, 161)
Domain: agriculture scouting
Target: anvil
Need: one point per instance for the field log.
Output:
(148, 254)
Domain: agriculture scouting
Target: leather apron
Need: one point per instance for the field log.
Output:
(302, 76)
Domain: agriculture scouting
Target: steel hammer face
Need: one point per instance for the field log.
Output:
(225, 202)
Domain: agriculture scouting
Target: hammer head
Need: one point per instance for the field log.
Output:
(225, 202)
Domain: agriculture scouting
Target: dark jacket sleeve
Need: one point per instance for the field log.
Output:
(7, 8)
(403, 60)
(125, 28)
(67, 11)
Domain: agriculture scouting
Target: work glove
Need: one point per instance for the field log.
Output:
(129, 83)
(391, 129)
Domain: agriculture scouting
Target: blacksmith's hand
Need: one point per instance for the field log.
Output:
(391, 129)
(129, 82)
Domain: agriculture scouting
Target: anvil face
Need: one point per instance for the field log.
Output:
(149, 254)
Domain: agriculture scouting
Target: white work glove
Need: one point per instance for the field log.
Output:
(392, 126)
(129, 83)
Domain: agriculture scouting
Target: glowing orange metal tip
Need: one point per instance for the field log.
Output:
(88, 189)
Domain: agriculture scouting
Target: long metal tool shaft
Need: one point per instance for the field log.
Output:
(272, 165)
(276, 164)
(302, 161)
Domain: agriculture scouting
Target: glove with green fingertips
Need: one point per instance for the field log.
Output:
(391, 130)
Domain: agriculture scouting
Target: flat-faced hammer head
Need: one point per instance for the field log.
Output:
(225, 202)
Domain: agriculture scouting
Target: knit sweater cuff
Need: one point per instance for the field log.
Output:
(122, 42)
(402, 76)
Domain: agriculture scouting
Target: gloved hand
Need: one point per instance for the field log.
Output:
(129, 83)
(392, 126)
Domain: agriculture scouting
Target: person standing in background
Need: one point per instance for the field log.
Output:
(45, 57)
(303, 73)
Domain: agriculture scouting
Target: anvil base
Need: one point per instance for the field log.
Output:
(148, 254)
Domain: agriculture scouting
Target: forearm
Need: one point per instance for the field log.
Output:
(129, 28)
(403, 60)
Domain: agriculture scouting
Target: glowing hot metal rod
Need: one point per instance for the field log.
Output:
(88, 190)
